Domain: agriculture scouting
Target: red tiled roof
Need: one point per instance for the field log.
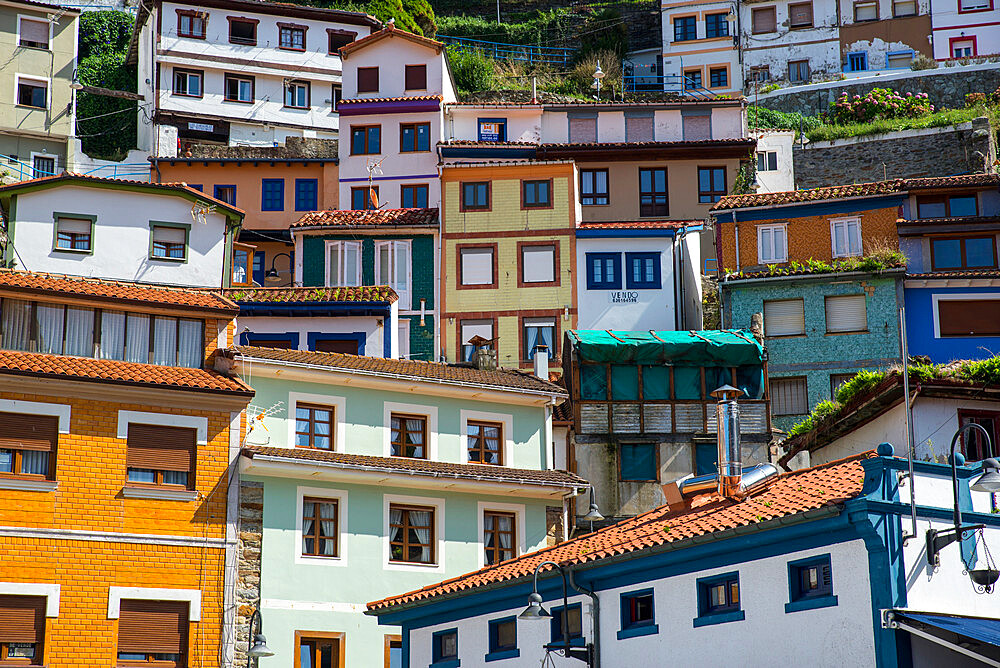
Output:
(738, 141)
(787, 495)
(387, 31)
(475, 142)
(941, 275)
(434, 371)
(117, 372)
(483, 472)
(363, 293)
(953, 181)
(411, 98)
(118, 291)
(783, 271)
(369, 218)
(639, 225)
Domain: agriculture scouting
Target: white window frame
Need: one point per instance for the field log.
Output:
(51, 592)
(18, 77)
(971, 45)
(342, 246)
(936, 299)
(433, 502)
(403, 338)
(406, 295)
(430, 412)
(760, 254)
(519, 512)
(505, 419)
(494, 268)
(199, 424)
(845, 222)
(338, 495)
(192, 596)
(339, 405)
(61, 411)
(187, 90)
(26, 17)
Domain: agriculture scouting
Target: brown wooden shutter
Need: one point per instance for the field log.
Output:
(29, 432)
(969, 317)
(153, 627)
(764, 20)
(367, 79)
(697, 128)
(162, 448)
(416, 77)
(801, 14)
(583, 130)
(22, 619)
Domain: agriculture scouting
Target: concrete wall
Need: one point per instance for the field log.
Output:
(783, 178)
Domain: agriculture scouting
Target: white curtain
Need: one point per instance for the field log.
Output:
(49, 320)
(165, 341)
(505, 531)
(34, 462)
(80, 332)
(16, 324)
(395, 522)
(308, 513)
(492, 437)
(328, 529)
(422, 518)
(112, 335)
(189, 346)
(137, 338)
(415, 437)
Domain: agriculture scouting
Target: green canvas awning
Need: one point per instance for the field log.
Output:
(724, 347)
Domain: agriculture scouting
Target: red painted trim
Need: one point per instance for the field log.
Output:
(968, 25)
(951, 45)
(974, 11)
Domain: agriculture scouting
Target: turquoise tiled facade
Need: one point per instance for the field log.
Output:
(817, 355)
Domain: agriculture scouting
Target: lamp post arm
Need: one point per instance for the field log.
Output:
(957, 512)
(564, 623)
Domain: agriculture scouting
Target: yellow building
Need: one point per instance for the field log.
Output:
(508, 257)
(116, 443)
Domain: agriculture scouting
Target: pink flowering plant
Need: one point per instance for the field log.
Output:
(878, 104)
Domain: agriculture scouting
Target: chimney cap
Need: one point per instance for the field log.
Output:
(727, 392)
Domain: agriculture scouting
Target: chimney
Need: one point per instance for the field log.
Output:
(727, 415)
(542, 361)
(534, 90)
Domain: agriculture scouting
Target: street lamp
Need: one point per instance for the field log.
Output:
(272, 276)
(535, 612)
(593, 513)
(598, 75)
(259, 647)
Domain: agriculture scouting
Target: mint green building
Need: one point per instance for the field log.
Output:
(364, 477)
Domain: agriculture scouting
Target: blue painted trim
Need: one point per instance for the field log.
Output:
(632, 284)
(500, 656)
(314, 309)
(436, 660)
(479, 124)
(719, 618)
(555, 629)
(247, 338)
(616, 284)
(811, 603)
(387, 340)
(812, 209)
(215, 190)
(405, 642)
(794, 594)
(390, 178)
(312, 338)
(702, 585)
(449, 663)
(494, 653)
(622, 234)
(636, 631)
(626, 625)
(264, 183)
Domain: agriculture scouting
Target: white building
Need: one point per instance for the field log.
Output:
(120, 230)
(789, 41)
(239, 72)
(775, 168)
(965, 28)
(700, 47)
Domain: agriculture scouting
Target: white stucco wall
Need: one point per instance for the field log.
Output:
(820, 44)
(391, 55)
(373, 328)
(523, 125)
(783, 178)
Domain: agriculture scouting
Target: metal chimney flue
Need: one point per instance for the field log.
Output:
(727, 415)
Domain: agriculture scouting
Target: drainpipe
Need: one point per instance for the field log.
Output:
(596, 607)
(679, 251)
(677, 304)
(566, 499)
(737, 229)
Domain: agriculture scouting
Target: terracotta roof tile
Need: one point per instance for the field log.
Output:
(387, 31)
(433, 371)
(957, 220)
(117, 372)
(369, 218)
(364, 293)
(639, 225)
(410, 98)
(475, 142)
(941, 275)
(484, 472)
(970, 180)
(784, 496)
(122, 292)
(741, 141)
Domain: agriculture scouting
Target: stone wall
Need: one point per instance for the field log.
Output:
(964, 148)
(251, 529)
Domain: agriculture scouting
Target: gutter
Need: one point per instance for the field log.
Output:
(895, 271)
(776, 205)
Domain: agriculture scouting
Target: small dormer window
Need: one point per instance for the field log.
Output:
(367, 79)
(339, 38)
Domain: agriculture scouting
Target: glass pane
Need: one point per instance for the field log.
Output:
(16, 324)
(165, 341)
(931, 209)
(79, 332)
(947, 253)
(305, 656)
(21, 650)
(175, 478)
(962, 206)
(189, 344)
(7, 461)
(142, 475)
(34, 462)
(49, 320)
(137, 338)
(979, 253)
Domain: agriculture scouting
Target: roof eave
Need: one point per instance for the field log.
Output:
(895, 271)
(775, 205)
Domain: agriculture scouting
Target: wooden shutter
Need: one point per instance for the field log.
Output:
(367, 79)
(22, 431)
(789, 396)
(785, 317)
(697, 128)
(763, 20)
(22, 619)
(149, 627)
(35, 31)
(416, 77)
(846, 313)
(801, 14)
(972, 317)
(638, 128)
(582, 130)
(161, 448)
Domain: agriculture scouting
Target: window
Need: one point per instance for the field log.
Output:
(771, 246)
(711, 184)
(789, 396)
(692, 79)
(800, 15)
(492, 129)
(414, 196)
(536, 194)
(539, 264)
(643, 271)
(415, 77)
(33, 34)
(716, 25)
(638, 127)
(32, 93)
(653, 192)
(343, 266)
(784, 317)
(594, 187)
(900, 60)
(685, 28)
(952, 206)
(42, 166)
(865, 10)
(717, 595)
(499, 536)
(28, 447)
(242, 263)
(74, 234)
(503, 638)
(574, 624)
(366, 139)
(367, 79)
(846, 313)
(168, 243)
(798, 70)
(444, 646)
(975, 5)
(297, 94)
(319, 527)
(393, 652)
(291, 36)
(336, 95)
(414, 137)
(963, 253)
(760, 73)
(338, 38)
(160, 455)
(639, 462)
(837, 380)
(469, 329)
(485, 442)
(272, 195)
(279, 341)
(153, 633)
(718, 77)
(845, 234)
(190, 24)
(314, 426)
(477, 266)
(963, 48)
(363, 199)
(763, 20)
(582, 129)
(767, 161)
(22, 630)
(408, 437)
(539, 331)
(604, 271)
(810, 584)
(239, 88)
(475, 196)
(243, 31)
(637, 614)
(315, 649)
(974, 446)
(411, 534)
(857, 62)
(306, 193)
(187, 83)
(392, 268)
(904, 8)
(969, 317)
(350, 345)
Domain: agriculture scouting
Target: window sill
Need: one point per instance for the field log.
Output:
(302, 109)
(130, 492)
(73, 251)
(719, 618)
(811, 603)
(505, 654)
(859, 331)
(786, 336)
(193, 97)
(636, 631)
(643, 287)
(28, 106)
(578, 641)
(415, 564)
(240, 101)
(291, 48)
(178, 260)
(28, 485)
(447, 663)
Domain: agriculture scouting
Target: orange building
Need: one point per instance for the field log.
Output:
(116, 444)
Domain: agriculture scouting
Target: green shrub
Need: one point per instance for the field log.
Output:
(862, 382)
(604, 32)
(473, 71)
(106, 125)
(384, 10)
(878, 104)
(423, 15)
(982, 371)
(821, 410)
(761, 117)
